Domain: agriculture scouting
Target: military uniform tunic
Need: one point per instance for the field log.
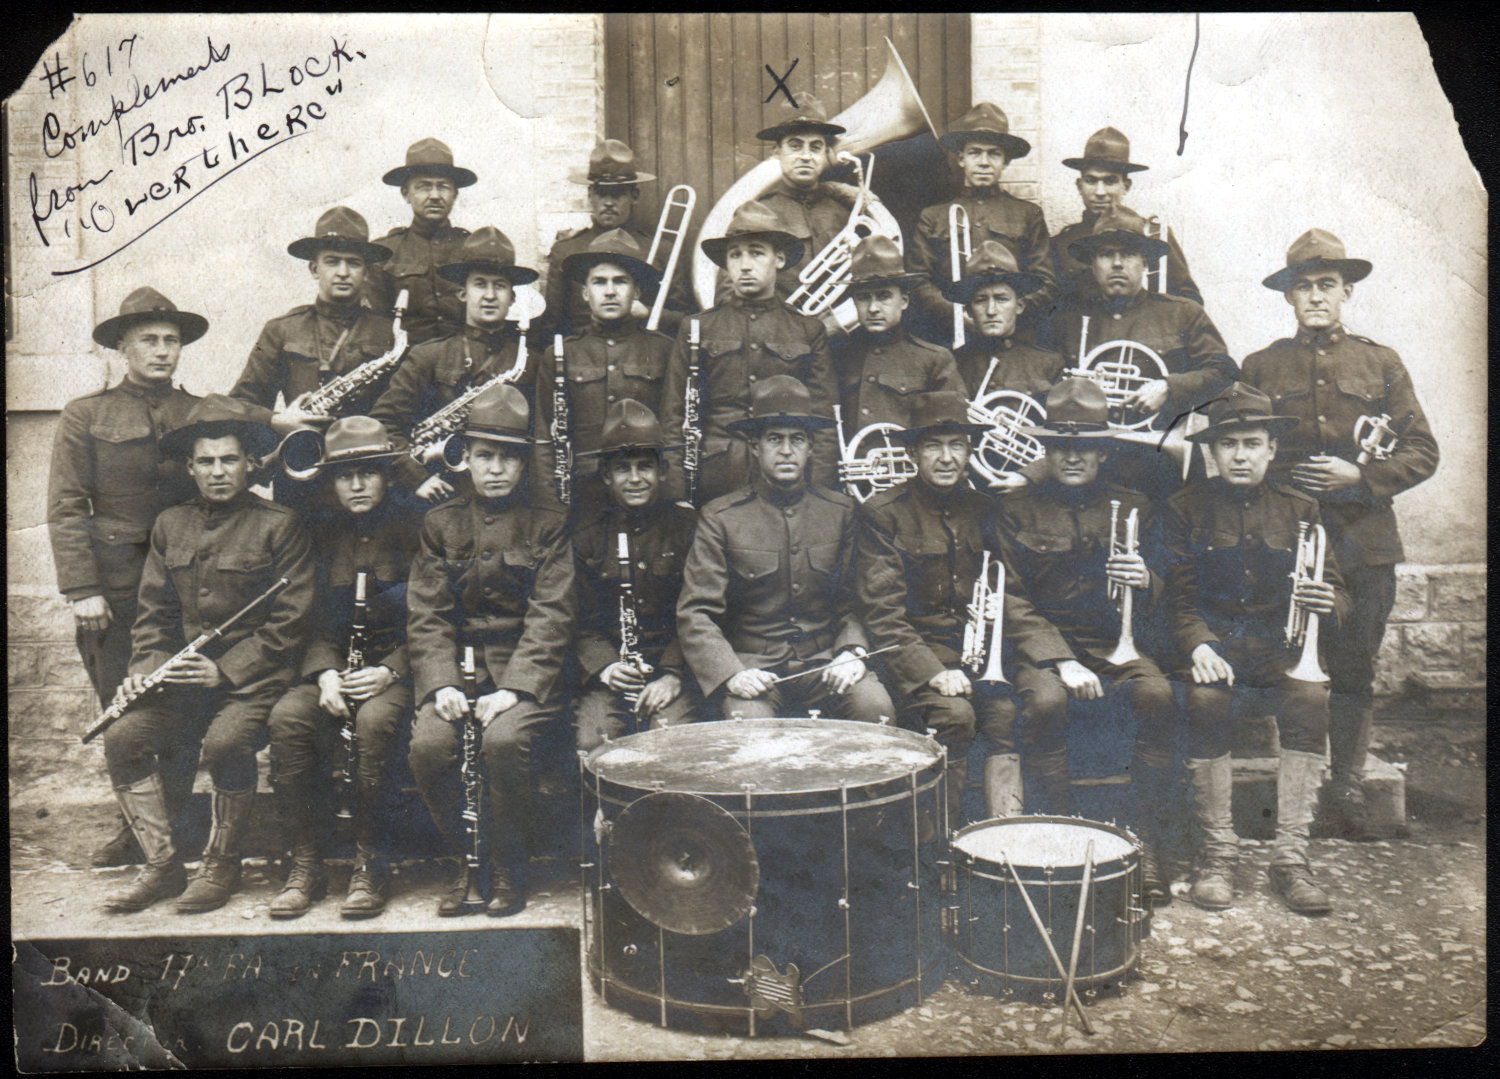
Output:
(881, 374)
(309, 345)
(742, 342)
(419, 250)
(568, 312)
(1076, 279)
(813, 215)
(1023, 368)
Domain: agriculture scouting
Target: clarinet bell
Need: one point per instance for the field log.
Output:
(474, 900)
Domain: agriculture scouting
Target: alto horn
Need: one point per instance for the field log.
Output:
(1004, 448)
(1116, 367)
(871, 461)
(891, 110)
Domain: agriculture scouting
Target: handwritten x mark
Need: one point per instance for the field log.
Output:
(780, 86)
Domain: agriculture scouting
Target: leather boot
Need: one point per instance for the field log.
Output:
(1213, 788)
(1150, 792)
(218, 876)
(145, 812)
(306, 883)
(1047, 781)
(1350, 720)
(120, 849)
(1298, 776)
(463, 896)
(1003, 793)
(176, 778)
(507, 891)
(368, 885)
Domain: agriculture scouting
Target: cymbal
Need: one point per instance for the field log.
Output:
(683, 863)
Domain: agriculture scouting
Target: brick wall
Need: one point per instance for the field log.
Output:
(1007, 71)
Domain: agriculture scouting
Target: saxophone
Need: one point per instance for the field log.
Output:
(692, 434)
(348, 736)
(562, 449)
(327, 398)
(630, 626)
(428, 437)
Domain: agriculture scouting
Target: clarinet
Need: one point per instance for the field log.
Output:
(473, 781)
(196, 646)
(692, 436)
(630, 638)
(562, 449)
(348, 736)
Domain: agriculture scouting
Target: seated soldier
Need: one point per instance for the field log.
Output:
(740, 343)
(982, 142)
(493, 571)
(374, 538)
(609, 358)
(1059, 540)
(920, 550)
(1231, 544)
(645, 680)
(766, 613)
(437, 372)
(210, 557)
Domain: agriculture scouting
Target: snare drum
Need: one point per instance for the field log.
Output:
(995, 934)
(765, 872)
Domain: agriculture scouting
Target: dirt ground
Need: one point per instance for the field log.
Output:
(1401, 961)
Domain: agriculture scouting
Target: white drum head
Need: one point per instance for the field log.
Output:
(1042, 842)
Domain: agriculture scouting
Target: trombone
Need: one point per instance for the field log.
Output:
(826, 273)
(1302, 624)
(681, 198)
(1156, 277)
(960, 247)
(1123, 594)
(982, 633)
(871, 461)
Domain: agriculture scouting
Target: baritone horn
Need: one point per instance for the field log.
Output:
(1301, 623)
(960, 247)
(871, 461)
(983, 632)
(890, 111)
(1123, 594)
(1116, 367)
(676, 216)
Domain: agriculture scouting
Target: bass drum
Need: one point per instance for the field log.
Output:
(764, 874)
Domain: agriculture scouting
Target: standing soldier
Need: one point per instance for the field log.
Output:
(881, 368)
(1103, 181)
(739, 344)
(609, 359)
(436, 373)
(210, 557)
(767, 591)
(1064, 544)
(1232, 544)
(374, 536)
(613, 182)
(921, 548)
(634, 588)
(1334, 382)
(983, 144)
(493, 571)
(107, 485)
(429, 182)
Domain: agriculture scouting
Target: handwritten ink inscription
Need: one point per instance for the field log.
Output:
(304, 999)
(155, 133)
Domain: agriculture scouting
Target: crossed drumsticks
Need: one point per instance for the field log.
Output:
(1070, 996)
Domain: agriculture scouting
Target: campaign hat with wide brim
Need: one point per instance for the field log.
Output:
(619, 247)
(939, 411)
(754, 220)
(339, 229)
(993, 262)
(354, 440)
(780, 400)
(1242, 406)
(500, 414)
(1315, 249)
(876, 262)
(984, 123)
(215, 410)
(489, 249)
(1108, 149)
(810, 117)
(1119, 227)
(1077, 409)
(147, 305)
(611, 164)
(432, 157)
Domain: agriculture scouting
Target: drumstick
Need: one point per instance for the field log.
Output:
(1083, 906)
(826, 666)
(1036, 919)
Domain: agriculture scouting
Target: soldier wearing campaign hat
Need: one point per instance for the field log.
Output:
(107, 485)
(620, 692)
(1104, 172)
(1231, 545)
(429, 182)
(768, 588)
(883, 370)
(373, 535)
(1338, 383)
(983, 145)
(512, 599)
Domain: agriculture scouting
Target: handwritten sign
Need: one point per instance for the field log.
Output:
(173, 128)
(302, 999)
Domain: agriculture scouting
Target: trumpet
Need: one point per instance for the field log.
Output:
(681, 198)
(826, 273)
(1005, 447)
(562, 449)
(982, 633)
(1156, 276)
(870, 461)
(1123, 594)
(1377, 438)
(1302, 624)
(960, 247)
(437, 435)
(1113, 365)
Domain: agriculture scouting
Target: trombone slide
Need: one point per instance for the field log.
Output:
(680, 197)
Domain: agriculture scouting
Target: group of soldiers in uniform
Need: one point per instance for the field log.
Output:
(681, 549)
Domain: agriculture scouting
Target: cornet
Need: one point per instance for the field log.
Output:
(1302, 624)
(871, 461)
(1123, 594)
(960, 247)
(1376, 438)
(827, 273)
(1006, 447)
(681, 198)
(1114, 366)
(982, 633)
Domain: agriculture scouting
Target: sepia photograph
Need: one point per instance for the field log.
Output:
(608, 536)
